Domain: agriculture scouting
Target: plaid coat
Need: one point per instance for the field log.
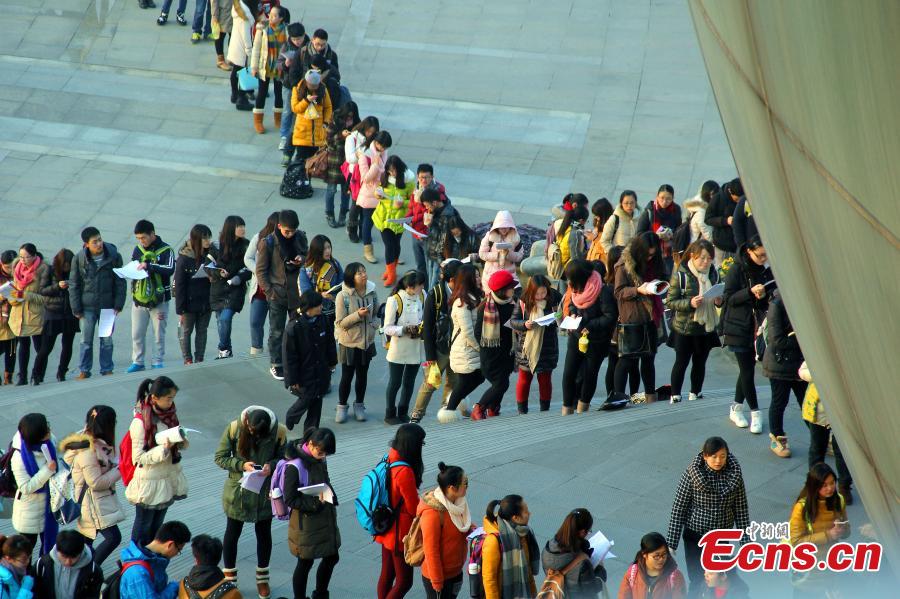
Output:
(707, 500)
(335, 144)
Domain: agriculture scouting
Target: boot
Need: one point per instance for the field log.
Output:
(567, 411)
(649, 397)
(262, 583)
(329, 218)
(342, 219)
(340, 415)
(258, 120)
(545, 405)
(242, 103)
(220, 62)
(737, 416)
(522, 407)
(359, 412)
(21, 380)
(353, 227)
(230, 575)
(390, 417)
(444, 415)
(60, 375)
(7, 378)
(320, 595)
(369, 254)
(755, 422)
(492, 412)
(277, 115)
(582, 407)
(36, 380)
(391, 270)
(779, 446)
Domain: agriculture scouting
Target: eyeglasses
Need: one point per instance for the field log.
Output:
(659, 556)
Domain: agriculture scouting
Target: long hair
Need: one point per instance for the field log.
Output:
(316, 256)
(261, 423)
(815, 480)
(640, 253)
(655, 267)
(708, 190)
(269, 227)
(158, 387)
(408, 443)
(394, 162)
(370, 122)
(569, 534)
(694, 250)
(339, 118)
(534, 283)
(100, 423)
(576, 214)
(465, 287)
(578, 272)
(601, 210)
(228, 238)
(467, 236)
(62, 264)
(612, 257)
(505, 508)
(198, 234)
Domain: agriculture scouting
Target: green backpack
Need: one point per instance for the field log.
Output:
(150, 291)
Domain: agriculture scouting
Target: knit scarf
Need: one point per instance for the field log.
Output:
(276, 36)
(458, 510)
(168, 417)
(23, 275)
(534, 338)
(490, 325)
(48, 536)
(514, 564)
(587, 296)
(706, 313)
(288, 249)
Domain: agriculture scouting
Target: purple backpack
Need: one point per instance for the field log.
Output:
(276, 494)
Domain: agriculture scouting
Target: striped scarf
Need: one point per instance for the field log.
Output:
(518, 560)
(490, 325)
(276, 38)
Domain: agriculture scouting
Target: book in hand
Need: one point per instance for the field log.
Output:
(655, 287)
(321, 490)
(502, 245)
(173, 435)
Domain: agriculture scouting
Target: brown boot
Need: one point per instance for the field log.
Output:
(369, 254)
(221, 63)
(277, 116)
(258, 120)
(7, 378)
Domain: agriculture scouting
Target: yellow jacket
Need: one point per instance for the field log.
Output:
(814, 532)
(491, 568)
(310, 132)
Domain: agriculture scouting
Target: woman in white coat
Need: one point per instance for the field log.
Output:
(158, 480)
(240, 48)
(91, 454)
(696, 209)
(622, 225)
(33, 464)
(259, 305)
(465, 350)
(403, 315)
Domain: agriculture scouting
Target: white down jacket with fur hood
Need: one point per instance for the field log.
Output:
(157, 482)
(465, 351)
(93, 463)
(28, 507)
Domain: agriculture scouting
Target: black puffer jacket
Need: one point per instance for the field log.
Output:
(599, 319)
(191, 292)
(221, 294)
(783, 356)
(742, 312)
(56, 299)
(93, 285)
(720, 208)
(549, 355)
(313, 531)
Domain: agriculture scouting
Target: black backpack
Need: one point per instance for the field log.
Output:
(8, 485)
(111, 584)
(442, 320)
(681, 238)
(295, 183)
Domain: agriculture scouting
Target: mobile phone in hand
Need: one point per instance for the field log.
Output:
(257, 467)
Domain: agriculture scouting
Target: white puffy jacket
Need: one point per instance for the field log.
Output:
(464, 350)
(29, 503)
(157, 482)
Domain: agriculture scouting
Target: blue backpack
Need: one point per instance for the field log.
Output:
(373, 503)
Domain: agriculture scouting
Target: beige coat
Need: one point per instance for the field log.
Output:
(259, 56)
(404, 349)
(350, 329)
(157, 482)
(620, 235)
(93, 464)
(28, 506)
(26, 316)
(464, 351)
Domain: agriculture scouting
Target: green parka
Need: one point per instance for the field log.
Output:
(683, 286)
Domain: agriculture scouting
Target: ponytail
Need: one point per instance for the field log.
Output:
(505, 508)
(158, 387)
(143, 392)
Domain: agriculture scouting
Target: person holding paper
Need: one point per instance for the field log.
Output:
(322, 272)
(192, 280)
(438, 212)
(461, 243)
(7, 337)
(150, 296)
(26, 314)
(662, 216)
(34, 463)
(695, 318)
(424, 180)
(403, 315)
(371, 160)
(620, 227)
(507, 255)
(537, 346)
(58, 319)
(465, 358)
(654, 573)
(359, 137)
(496, 355)
(228, 289)
(583, 581)
(397, 186)
(254, 442)
(158, 480)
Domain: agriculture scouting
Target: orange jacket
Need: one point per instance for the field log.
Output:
(403, 485)
(669, 586)
(445, 546)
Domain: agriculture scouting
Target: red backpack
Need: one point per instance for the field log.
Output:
(126, 465)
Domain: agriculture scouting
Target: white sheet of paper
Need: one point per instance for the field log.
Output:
(502, 245)
(508, 324)
(6, 289)
(656, 287)
(174, 435)
(570, 323)
(107, 322)
(130, 271)
(46, 452)
(253, 481)
(400, 221)
(321, 490)
(601, 546)
(714, 292)
(414, 232)
(466, 260)
(546, 320)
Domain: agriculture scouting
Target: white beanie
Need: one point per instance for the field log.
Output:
(313, 77)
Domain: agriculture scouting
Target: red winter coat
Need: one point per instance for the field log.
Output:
(403, 486)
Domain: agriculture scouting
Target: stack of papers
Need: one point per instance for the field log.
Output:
(253, 481)
(714, 292)
(601, 546)
(321, 490)
(502, 245)
(570, 323)
(130, 271)
(6, 289)
(546, 320)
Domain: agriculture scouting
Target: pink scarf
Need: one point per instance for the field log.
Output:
(24, 275)
(587, 296)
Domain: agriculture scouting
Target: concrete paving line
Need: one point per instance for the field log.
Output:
(66, 65)
(213, 171)
(457, 50)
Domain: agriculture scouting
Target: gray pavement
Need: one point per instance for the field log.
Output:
(106, 118)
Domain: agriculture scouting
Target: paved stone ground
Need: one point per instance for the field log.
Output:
(106, 118)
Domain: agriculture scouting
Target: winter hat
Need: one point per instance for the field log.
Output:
(503, 220)
(313, 77)
(296, 30)
(501, 280)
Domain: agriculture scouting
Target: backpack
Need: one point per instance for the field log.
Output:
(374, 510)
(111, 584)
(126, 465)
(413, 544)
(759, 342)
(555, 584)
(442, 320)
(295, 184)
(280, 509)
(150, 291)
(8, 484)
(554, 260)
(681, 238)
(344, 97)
(220, 591)
(476, 547)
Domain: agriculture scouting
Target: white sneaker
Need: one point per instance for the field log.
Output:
(359, 412)
(675, 399)
(256, 351)
(282, 143)
(755, 422)
(693, 396)
(340, 415)
(737, 416)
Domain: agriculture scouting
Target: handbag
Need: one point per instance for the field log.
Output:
(246, 81)
(317, 166)
(68, 509)
(633, 339)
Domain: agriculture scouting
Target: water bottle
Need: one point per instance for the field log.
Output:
(278, 506)
(583, 342)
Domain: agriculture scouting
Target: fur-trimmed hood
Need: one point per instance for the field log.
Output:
(76, 442)
(627, 262)
(695, 203)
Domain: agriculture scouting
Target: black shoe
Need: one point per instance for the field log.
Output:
(35, 381)
(277, 373)
(234, 97)
(329, 218)
(353, 234)
(149, 4)
(61, 376)
(21, 380)
(392, 421)
(179, 16)
(404, 417)
(243, 103)
(342, 220)
(161, 20)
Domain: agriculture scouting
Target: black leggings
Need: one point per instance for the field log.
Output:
(391, 246)
(48, 340)
(465, 384)
(781, 395)
(361, 371)
(263, 91)
(323, 574)
(399, 374)
(695, 350)
(588, 366)
(8, 349)
(112, 536)
(233, 528)
(745, 388)
(634, 374)
(24, 352)
(647, 369)
(220, 44)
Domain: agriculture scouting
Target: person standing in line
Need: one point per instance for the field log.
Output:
(152, 581)
(313, 532)
(342, 123)
(662, 216)
(229, 279)
(269, 42)
(508, 255)
(569, 235)
(748, 285)
(465, 354)
(7, 337)
(537, 346)
(91, 454)
(654, 573)
(497, 357)
(26, 313)
(396, 577)
(397, 186)
(696, 208)
(158, 480)
(15, 565)
(252, 443)
(437, 328)
(437, 217)
(568, 544)
(240, 47)
(461, 243)
(309, 358)
(297, 38)
(259, 305)
(634, 373)
(360, 137)
(570, 202)
(424, 180)
(510, 555)
(742, 223)
(403, 316)
(720, 215)
(313, 109)
(58, 319)
(710, 495)
(695, 319)
(371, 160)
(206, 579)
(355, 326)
(621, 226)
(192, 291)
(33, 463)
(724, 585)
(601, 212)
(201, 24)
(445, 522)
(279, 258)
(322, 272)
(150, 296)
(163, 17)
(781, 364)
(220, 21)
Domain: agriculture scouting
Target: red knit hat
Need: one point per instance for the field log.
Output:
(501, 280)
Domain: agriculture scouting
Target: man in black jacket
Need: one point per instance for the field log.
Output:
(92, 287)
(719, 216)
(437, 218)
(68, 570)
(310, 357)
(437, 330)
(318, 46)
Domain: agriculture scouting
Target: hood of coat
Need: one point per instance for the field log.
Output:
(428, 501)
(627, 262)
(695, 203)
(503, 220)
(202, 578)
(272, 417)
(83, 560)
(701, 475)
(74, 444)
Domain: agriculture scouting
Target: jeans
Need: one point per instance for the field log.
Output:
(323, 575)
(193, 323)
(367, 225)
(112, 536)
(233, 529)
(465, 384)
(48, 340)
(263, 90)
(745, 388)
(348, 372)
(167, 4)
(781, 394)
(330, 190)
(277, 319)
(86, 352)
(433, 271)
(418, 246)
(141, 317)
(396, 575)
(391, 242)
(146, 523)
(426, 390)
(399, 374)
(259, 309)
(451, 588)
(818, 447)
(201, 24)
(223, 324)
(287, 119)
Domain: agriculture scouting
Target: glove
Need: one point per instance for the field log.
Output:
(234, 281)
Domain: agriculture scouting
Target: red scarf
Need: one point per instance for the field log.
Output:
(24, 275)
(168, 417)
